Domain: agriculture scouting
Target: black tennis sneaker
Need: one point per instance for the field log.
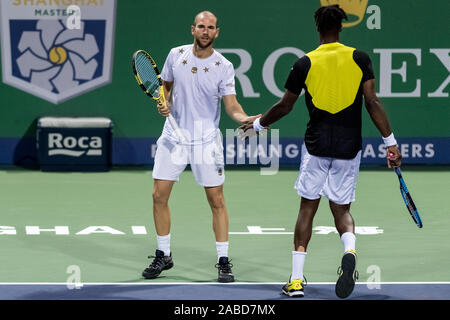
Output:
(347, 275)
(160, 263)
(225, 273)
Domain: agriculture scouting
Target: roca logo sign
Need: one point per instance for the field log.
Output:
(58, 144)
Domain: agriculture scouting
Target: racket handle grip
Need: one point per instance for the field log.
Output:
(161, 100)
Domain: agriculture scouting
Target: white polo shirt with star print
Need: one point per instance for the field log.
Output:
(199, 85)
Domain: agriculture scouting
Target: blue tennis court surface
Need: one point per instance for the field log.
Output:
(214, 291)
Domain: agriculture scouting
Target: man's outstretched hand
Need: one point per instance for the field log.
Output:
(246, 129)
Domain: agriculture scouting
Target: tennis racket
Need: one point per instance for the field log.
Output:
(408, 199)
(149, 79)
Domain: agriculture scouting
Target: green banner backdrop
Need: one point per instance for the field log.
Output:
(408, 42)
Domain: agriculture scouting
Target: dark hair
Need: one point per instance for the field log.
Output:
(329, 18)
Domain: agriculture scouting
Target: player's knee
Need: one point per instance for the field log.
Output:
(159, 199)
(217, 202)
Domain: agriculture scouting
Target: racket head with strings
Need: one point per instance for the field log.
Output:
(147, 75)
(149, 79)
(408, 199)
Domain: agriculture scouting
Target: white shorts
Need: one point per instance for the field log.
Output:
(206, 160)
(329, 177)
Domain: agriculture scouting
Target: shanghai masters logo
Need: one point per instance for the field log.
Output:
(54, 58)
(43, 56)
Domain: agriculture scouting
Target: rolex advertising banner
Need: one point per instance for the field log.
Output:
(72, 58)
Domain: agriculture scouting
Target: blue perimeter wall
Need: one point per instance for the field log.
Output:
(140, 151)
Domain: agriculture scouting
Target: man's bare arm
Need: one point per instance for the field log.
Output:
(379, 118)
(275, 113)
(235, 110)
(280, 109)
(165, 109)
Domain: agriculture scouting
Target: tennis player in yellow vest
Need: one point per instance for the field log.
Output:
(335, 79)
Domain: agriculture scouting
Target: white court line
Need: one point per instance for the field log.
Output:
(262, 233)
(199, 284)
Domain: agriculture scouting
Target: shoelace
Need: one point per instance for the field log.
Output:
(355, 273)
(304, 282)
(225, 267)
(157, 263)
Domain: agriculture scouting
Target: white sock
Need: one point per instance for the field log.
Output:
(349, 241)
(222, 249)
(298, 261)
(164, 244)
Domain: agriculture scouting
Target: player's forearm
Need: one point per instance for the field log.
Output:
(237, 113)
(167, 95)
(167, 87)
(378, 116)
(278, 111)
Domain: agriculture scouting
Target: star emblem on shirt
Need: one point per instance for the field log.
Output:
(181, 50)
(185, 62)
(218, 63)
(206, 69)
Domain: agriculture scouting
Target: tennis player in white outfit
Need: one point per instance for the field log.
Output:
(196, 78)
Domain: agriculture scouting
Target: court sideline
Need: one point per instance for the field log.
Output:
(215, 291)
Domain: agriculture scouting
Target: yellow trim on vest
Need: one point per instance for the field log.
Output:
(334, 77)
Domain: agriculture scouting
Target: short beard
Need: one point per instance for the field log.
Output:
(203, 46)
